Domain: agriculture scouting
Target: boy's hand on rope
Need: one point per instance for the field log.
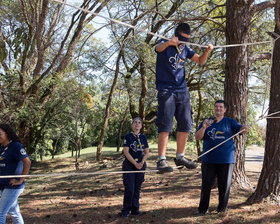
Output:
(209, 48)
(174, 41)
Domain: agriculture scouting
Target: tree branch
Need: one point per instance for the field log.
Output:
(259, 57)
(262, 6)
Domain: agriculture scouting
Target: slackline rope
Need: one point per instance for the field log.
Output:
(154, 34)
(216, 146)
(86, 173)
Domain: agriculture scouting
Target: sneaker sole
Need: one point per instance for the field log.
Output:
(191, 167)
(165, 170)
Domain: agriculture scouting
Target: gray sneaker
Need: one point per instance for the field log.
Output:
(182, 161)
(163, 167)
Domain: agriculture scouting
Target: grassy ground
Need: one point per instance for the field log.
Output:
(169, 198)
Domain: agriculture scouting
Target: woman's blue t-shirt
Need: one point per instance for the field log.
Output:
(11, 163)
(214, 135)
(170, 69)
(136, 144)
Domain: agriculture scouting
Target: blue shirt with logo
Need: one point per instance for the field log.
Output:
(170, 69)
(214, 135)
(11, 163)
(136, 144)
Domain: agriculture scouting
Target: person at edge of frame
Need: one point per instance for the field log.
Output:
(13, 161)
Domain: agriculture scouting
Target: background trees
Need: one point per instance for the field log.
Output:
(37, 48)
(56, 76)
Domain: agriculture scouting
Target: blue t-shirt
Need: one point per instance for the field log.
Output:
(136, 144)
(11, 163)
(214, 135)
(170, 69)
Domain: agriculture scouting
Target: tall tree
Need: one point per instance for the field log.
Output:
(239, 16)
(269, 181)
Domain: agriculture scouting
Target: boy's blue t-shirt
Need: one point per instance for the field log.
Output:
(136, 144)
(11, 163)
(170, 69)
(214, 135)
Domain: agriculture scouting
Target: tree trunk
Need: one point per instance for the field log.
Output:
(144, 88)
(198, 148)
(269, 181)
(79, 146)
(54, 147)
(107, 111)
(238, 21)
(120, 129)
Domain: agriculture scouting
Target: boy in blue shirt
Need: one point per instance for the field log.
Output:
(219, 162)
(173, 95)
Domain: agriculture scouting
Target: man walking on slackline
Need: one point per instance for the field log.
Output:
(173, 95)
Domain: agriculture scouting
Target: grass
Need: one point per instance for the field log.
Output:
(90, 152)
(169, 198)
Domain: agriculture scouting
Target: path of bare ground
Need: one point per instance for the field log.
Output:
(254, 161)
(169, 198)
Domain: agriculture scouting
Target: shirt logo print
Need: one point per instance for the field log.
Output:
(174, 62)
(22, 151)
(213, 134)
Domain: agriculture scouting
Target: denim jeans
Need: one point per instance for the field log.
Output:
(9, 204)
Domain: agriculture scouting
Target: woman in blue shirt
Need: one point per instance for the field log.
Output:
(13, 161)
(219, 162)
(136, 152)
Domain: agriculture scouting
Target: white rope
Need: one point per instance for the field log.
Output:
(85, 173)
(218, 145)
(267, 116)
(79, 174)
(244, 44)
(154, 34)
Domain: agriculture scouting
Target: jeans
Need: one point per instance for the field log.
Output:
(9, 204)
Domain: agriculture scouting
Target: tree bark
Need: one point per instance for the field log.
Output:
(269, 181)
(199, 108)
(120, 129)
(144, 88)
(236, 78)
